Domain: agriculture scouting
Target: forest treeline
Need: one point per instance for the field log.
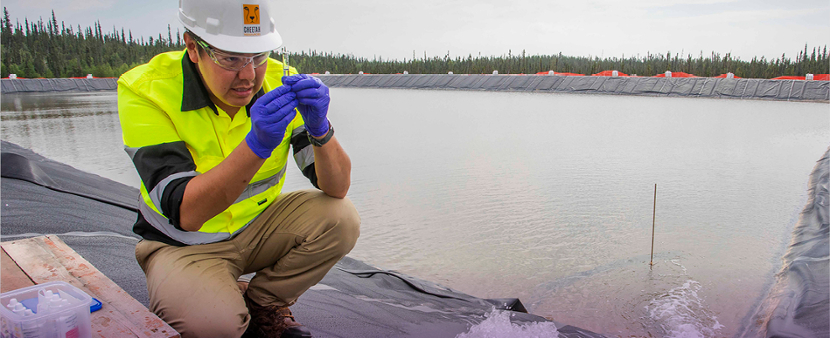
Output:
(48, 49)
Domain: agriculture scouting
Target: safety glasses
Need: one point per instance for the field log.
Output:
(233, 61)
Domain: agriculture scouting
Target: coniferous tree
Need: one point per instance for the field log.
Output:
(36, 49)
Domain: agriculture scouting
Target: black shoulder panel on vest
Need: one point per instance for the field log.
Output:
(171, 200)
(298, 143)
(157, 162)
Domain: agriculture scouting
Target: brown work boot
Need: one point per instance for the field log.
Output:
(272, 322)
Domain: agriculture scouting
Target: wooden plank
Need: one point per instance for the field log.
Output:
(37, 262)
(107, 290)
(48, 258)
(12, 276)
(42, 266)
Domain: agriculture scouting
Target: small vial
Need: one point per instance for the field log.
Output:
(67, 326)
(11, 303)
(285, 69)
(19, 308)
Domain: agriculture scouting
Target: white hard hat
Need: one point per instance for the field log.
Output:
(245, 26)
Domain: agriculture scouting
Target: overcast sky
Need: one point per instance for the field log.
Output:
(396, 29)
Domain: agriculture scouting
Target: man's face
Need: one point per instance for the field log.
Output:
(228, 89)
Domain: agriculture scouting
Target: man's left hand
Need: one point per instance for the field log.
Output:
(313, 98)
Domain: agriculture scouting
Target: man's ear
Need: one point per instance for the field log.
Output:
(192, 48)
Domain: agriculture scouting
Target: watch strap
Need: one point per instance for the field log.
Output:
(320, 142)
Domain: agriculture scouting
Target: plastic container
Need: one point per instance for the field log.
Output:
(48, 310)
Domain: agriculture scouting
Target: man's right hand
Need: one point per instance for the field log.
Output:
(270, 115)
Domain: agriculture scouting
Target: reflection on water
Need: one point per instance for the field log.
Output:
(544, 197)
(80, 129)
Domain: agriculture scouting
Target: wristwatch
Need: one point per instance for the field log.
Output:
(320, 142)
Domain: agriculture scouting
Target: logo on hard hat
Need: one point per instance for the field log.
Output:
(251, 17)
(251, 14)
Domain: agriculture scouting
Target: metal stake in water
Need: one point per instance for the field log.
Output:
(285, 70)
(653, 216)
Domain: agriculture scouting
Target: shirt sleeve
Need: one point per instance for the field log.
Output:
(160, 156)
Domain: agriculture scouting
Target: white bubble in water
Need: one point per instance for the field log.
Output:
(680, 313)
(498, 325)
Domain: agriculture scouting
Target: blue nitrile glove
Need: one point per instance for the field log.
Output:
(313, 98)
(270, 115)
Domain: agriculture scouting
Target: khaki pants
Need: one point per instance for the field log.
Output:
(290, 246)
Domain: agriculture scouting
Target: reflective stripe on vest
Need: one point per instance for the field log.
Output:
(304, 157)
(187, 237)
(155, 194)
(259, 187)
(161, 223)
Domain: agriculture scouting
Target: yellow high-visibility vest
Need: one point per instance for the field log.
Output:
(164, 109)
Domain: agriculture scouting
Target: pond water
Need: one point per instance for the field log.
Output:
(544, 197)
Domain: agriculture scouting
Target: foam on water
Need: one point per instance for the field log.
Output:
(498, 325)
(680, 313)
